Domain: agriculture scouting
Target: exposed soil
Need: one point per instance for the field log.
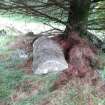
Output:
(25, 43)
(26, 89)
(81, 58)
(80, 55)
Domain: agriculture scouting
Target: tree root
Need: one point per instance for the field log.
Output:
(81, 58)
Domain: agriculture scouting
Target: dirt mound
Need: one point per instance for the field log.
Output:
(22, 42)
(80, 55)
(26, 66)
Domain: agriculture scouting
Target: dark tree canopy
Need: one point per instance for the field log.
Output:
(57, 10)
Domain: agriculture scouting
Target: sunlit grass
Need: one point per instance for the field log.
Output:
(25, 25)
(5, 40)
(11, 77)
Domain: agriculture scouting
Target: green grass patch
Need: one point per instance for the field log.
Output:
(11, 77)
(8, 80)
(5, 40)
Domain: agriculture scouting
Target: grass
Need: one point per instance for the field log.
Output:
(11, 77)
(19, 88)
(5, 40)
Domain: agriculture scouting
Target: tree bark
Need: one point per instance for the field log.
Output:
(77, 16)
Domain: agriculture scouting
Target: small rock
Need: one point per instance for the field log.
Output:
(19, 55)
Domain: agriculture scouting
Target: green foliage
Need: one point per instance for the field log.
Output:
(11, 77)
(97, 17)
(5, 40)
(98, 101)
(103, 74)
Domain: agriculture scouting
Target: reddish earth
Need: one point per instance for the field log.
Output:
(26, 89)
(27, 66)
(81, 57)
(24, 42)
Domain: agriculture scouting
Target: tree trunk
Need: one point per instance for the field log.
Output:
(78, 16)
(80, 55)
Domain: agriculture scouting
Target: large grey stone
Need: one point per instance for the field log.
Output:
(47, 56)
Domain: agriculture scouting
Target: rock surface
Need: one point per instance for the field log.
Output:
(47, 56)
